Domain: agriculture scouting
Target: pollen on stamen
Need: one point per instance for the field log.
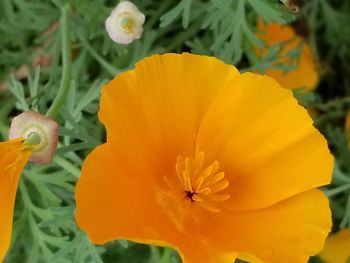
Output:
(201, 184)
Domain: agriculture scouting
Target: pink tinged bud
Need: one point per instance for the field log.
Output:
(45, 130)
(124, 25)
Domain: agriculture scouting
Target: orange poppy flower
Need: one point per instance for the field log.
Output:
(211, 162)
(305, 74)
(13, 157)
(337, 248)
(33, 137)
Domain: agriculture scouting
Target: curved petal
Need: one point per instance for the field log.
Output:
(195, 252)
(290, 231)
(13, 158)
(127, 208)
(153, 111)
(272, 151)
(337, 248)
(112, 203)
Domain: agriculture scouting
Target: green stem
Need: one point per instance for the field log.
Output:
(334, 103)
(155, 17)
(166, 255)
(25, 195)
(155, 254)
(108, 66)
(251, 54)
(337, 190)
(5, 109)
(64, 163)
(66, 58)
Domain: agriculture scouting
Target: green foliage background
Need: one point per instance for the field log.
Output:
(83, 58)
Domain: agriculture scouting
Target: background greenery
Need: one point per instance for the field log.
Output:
(83, 57)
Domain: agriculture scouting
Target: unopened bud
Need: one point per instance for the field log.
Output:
(124, 25)
(290, 5)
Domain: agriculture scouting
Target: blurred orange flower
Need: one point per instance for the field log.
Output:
(347, 127)
(13, 157)
(337, 248)
(33, 137)
(305, 74)
(216, 164)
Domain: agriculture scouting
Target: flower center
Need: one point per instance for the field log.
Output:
(201, 184)
(126, 22)
(35, 137)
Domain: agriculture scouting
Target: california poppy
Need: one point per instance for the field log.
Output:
(304, 73)
(13, 157)
(33, 137)
(337, 247)
(216, 164)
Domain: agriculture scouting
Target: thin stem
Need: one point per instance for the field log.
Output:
(334, 103)
(155, 17)
(68, 166)
(337, 190)
(166, 255)
(104, 63)
(346, 218)
(25, 195)
(251, 54)
(66, 58)
(155, 254)
(5, 109)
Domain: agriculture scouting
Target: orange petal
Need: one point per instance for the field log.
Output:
(275, 33)
(337, 248)
(13, 157)
(112, 204)
(290, 231)
(305, 75)
(151, 114)
(113, 201)
(265, 142)
(154, 110)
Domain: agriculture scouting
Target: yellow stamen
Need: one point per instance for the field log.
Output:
(126, 22)
(200, 183)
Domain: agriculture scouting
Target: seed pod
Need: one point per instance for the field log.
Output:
(41, 133)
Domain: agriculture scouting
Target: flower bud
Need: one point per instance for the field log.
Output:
(124, 25)
(40, 133)
(290, 5)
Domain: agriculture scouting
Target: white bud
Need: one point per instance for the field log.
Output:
(41, 133)
(124, 25)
